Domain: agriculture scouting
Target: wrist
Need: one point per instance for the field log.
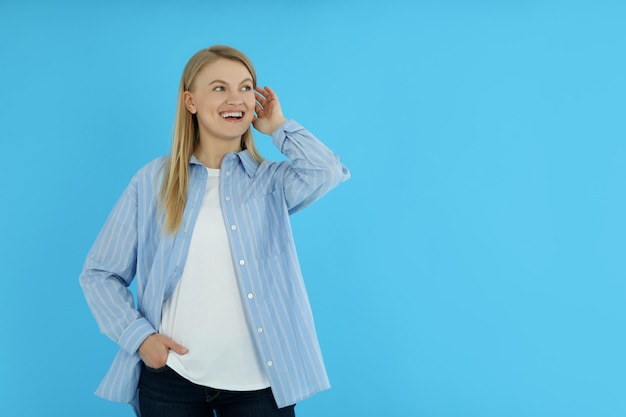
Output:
(278, 124)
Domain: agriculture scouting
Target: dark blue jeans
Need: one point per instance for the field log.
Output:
(164, 393)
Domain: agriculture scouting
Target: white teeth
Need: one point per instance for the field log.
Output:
(232, 114)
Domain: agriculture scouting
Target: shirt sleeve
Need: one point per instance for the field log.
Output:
(108, 271)
(313, 169)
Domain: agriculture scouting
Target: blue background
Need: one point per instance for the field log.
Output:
(474, 264)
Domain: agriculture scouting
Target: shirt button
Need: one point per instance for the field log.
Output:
(269, 363)
(250, 296)
(228, 198)
(241, 262)
(233, 227)
(228, 173)
(259, 330)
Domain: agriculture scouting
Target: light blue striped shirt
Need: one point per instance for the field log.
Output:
(257, 200)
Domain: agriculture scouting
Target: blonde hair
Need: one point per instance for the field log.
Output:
(173, 195)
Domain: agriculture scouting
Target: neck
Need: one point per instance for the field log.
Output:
(211, 153)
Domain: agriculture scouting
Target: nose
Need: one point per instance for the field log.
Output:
(234, 97)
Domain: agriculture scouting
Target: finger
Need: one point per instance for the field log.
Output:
(261, 100)
(270, 91)
(261, 93)
(176, 347)
(270, 95)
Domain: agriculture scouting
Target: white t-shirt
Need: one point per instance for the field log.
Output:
(205, 313)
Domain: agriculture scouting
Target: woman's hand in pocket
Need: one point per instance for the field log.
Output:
(154, 350)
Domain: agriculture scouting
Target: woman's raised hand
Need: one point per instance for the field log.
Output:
(269, 115)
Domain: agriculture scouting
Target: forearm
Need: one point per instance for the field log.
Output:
(108, 271)
(112, 305)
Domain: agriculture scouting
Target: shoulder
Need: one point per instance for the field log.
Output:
(273, 168)
(151, 170)
(153, 167)
(149, 176)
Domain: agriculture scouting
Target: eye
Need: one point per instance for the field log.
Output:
(246, 88)
(219, 88)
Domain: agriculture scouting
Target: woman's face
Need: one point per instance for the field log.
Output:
(223, 99)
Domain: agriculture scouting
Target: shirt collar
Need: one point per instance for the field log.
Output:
(249, 164)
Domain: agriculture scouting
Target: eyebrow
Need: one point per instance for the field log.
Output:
(224, 82)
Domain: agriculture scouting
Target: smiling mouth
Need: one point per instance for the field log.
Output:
(232, 115)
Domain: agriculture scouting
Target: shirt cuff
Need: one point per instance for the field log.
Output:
(280, 134)
(135, 334)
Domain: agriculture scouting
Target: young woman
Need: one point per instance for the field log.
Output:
(222, 321)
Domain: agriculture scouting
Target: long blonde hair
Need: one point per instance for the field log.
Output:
(173, 195)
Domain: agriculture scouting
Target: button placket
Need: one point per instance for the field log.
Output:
(242, 262)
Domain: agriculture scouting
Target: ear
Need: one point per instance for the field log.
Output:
(188, 100)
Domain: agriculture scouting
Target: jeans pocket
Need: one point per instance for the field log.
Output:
(156, 370)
